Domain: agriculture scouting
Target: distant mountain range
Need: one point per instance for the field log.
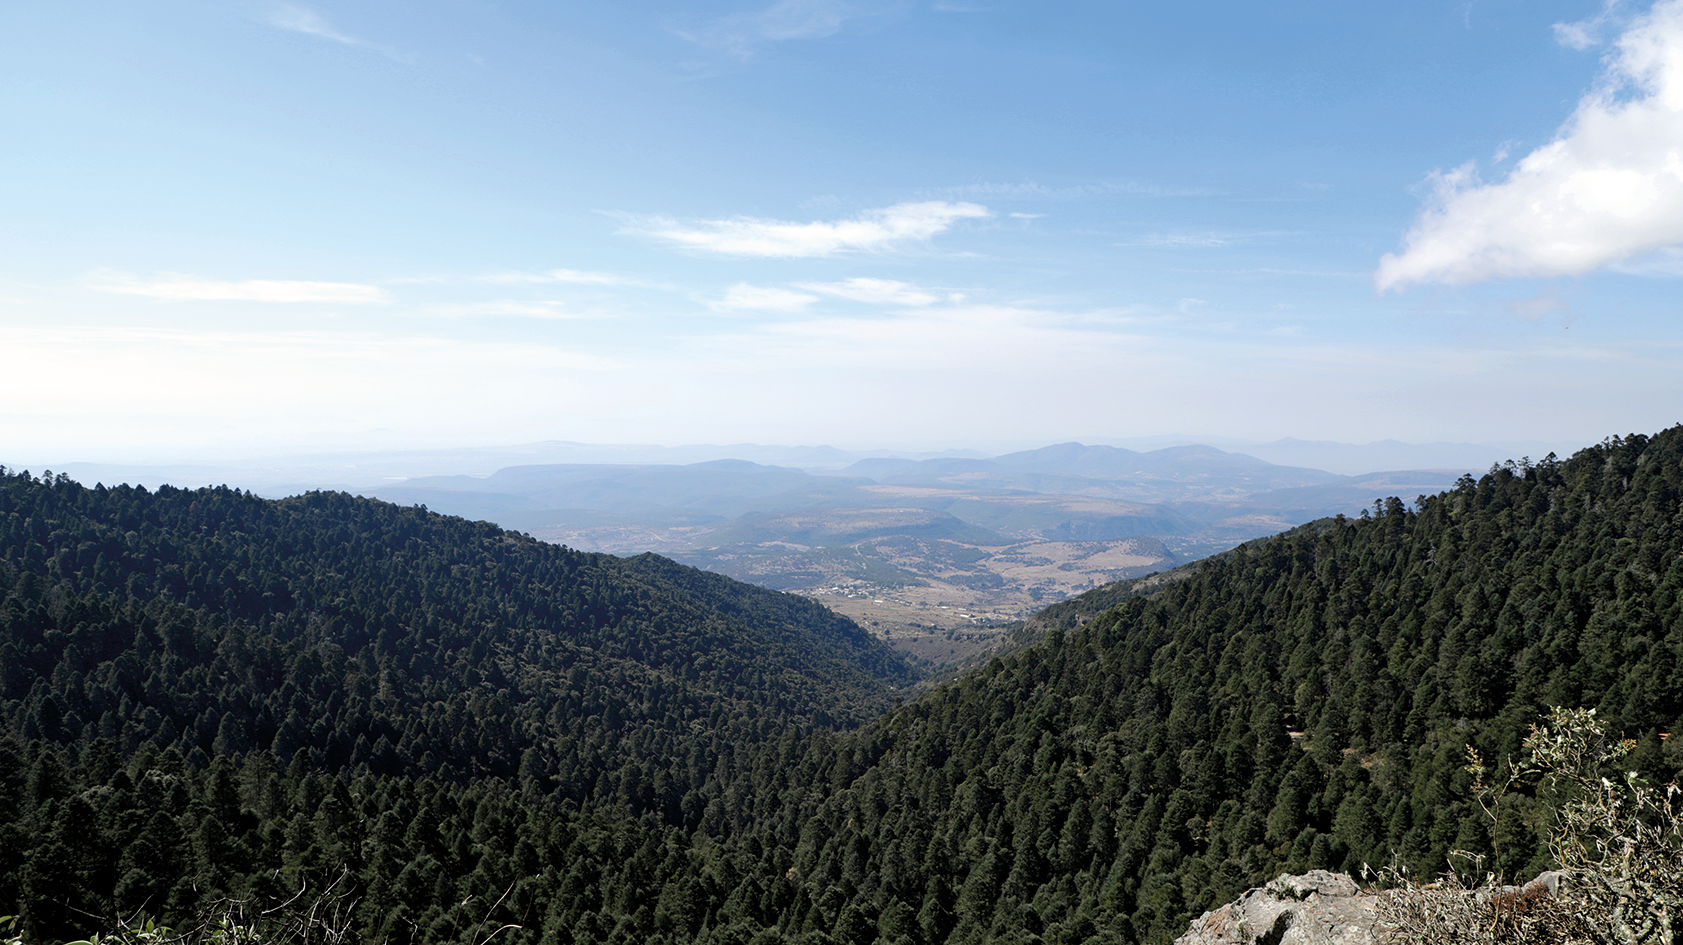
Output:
(1355, 458)
(353, 469)
(1179, 472)
(932, 550)
(1066, 491)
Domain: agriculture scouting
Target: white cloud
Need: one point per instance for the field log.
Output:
(872, 230)
(752, 298)
(1609, 187)
(183, 288)
(874, 291)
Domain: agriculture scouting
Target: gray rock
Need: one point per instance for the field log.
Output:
(1316, 908)
(1548, 882)
(1319, 908)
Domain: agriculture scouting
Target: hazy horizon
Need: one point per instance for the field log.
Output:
(278, 473)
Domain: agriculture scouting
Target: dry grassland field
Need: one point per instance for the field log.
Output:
(940, 599)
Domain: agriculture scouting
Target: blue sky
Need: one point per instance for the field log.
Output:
(868, 224)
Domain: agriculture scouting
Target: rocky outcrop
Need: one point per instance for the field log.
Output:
(1316, 908)
(1322, 908)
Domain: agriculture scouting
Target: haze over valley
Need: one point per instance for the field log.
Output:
(932, 554)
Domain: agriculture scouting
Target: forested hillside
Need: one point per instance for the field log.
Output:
(335, 634)
(1303, 701)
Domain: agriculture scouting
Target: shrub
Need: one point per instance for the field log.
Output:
(1617, 843)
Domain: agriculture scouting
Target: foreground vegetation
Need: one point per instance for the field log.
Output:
(1617, 843)
(560, 757)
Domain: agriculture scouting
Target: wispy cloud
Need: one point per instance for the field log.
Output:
(915, 341)
(1583, 34)
(1185, 240)
(1073, 191)
(1274, 271)
(1535, 309)
(569, 276)
(1609, 187)
(752, 298)
(874, 291)
(872, 230)
(741, 33)
(309, 22)
(300, 19)
(1204, 240)
(1666, 262)
(511, 308)
(176, 288)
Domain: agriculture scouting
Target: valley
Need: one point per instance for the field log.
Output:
(935, 556)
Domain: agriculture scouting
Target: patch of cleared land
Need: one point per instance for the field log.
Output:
(933, 583)
(623, 539)
(939, 599)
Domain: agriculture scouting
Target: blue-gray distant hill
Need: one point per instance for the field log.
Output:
(723, 488)
(1175, 473)
(1173, 492)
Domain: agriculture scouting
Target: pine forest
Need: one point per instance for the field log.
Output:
(381, 724)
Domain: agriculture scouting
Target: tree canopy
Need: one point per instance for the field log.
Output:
(209, 696)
